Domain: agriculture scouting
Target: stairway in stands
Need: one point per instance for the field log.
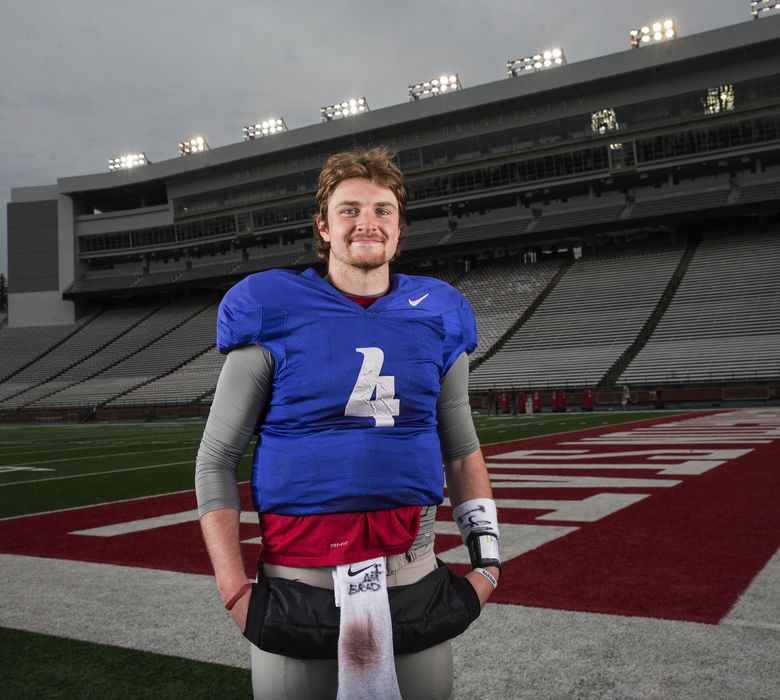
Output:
(610, 379)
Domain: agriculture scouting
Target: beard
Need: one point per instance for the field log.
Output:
(368, 264)
(368, 260)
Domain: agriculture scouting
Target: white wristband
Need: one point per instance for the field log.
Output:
(476, 515)
(488, 576)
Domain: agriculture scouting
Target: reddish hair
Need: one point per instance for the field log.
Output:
(376, 165)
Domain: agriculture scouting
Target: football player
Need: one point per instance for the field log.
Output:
(356, 387)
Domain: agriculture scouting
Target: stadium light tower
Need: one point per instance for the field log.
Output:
(197, 144)
(347, 108)
(759, 8)
(126, 162)
(267, 127)
(549, 58)
(436, 86)
(662, 30)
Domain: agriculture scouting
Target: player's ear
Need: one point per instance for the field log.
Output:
(322, 228)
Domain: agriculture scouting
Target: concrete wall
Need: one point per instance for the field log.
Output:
(33, 262)
(39, 309)
(41, 257)
(112, 222)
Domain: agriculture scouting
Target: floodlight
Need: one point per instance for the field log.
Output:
(759, 8)
(131, 160)
(720, 98)
(604, 120)
(549, 58)
(436, 86)
(657, 31)
(267, 127)
(347, 108)
(196, 144)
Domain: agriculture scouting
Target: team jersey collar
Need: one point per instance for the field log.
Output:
(327, 287)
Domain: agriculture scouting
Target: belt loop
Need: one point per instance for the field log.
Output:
(392, 564)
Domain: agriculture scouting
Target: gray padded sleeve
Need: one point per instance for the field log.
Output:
(242, 393)
(456, 428)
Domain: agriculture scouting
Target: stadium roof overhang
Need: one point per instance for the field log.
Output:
(689, 54)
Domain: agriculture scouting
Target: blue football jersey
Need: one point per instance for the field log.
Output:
(351, 421)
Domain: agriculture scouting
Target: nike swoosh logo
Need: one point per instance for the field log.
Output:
(359, 571)
(414, 302)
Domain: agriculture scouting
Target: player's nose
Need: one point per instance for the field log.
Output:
(367, 220)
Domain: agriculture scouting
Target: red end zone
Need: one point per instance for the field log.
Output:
(669, 518)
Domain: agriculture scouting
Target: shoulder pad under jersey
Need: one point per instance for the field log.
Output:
(241, 311)
(450, 304)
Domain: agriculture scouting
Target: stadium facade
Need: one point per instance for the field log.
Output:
(661, 145)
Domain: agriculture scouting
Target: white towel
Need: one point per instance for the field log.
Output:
(366, 665)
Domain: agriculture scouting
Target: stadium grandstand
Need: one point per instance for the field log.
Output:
(612, 221)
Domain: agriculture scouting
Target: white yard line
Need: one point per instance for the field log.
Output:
(670, 414)
(87, 474)
(97, 443)
(113, 454)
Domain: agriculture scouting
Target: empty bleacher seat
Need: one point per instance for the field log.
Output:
(35, 380)
(499, 293)
(168, 337)
(724, 321)
(674, 201)
(592, 315)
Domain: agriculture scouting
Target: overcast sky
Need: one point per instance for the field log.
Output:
(86, 81)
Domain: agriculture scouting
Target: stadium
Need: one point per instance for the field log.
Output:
(613, 223)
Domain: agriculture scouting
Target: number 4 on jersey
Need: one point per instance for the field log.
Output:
(372, 396)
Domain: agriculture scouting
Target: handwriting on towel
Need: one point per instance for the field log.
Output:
(370, 581)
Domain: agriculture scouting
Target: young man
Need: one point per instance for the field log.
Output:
(357, 386)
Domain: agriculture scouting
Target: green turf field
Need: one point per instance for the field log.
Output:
(49, 467)
(45, 468)
(36, 666)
